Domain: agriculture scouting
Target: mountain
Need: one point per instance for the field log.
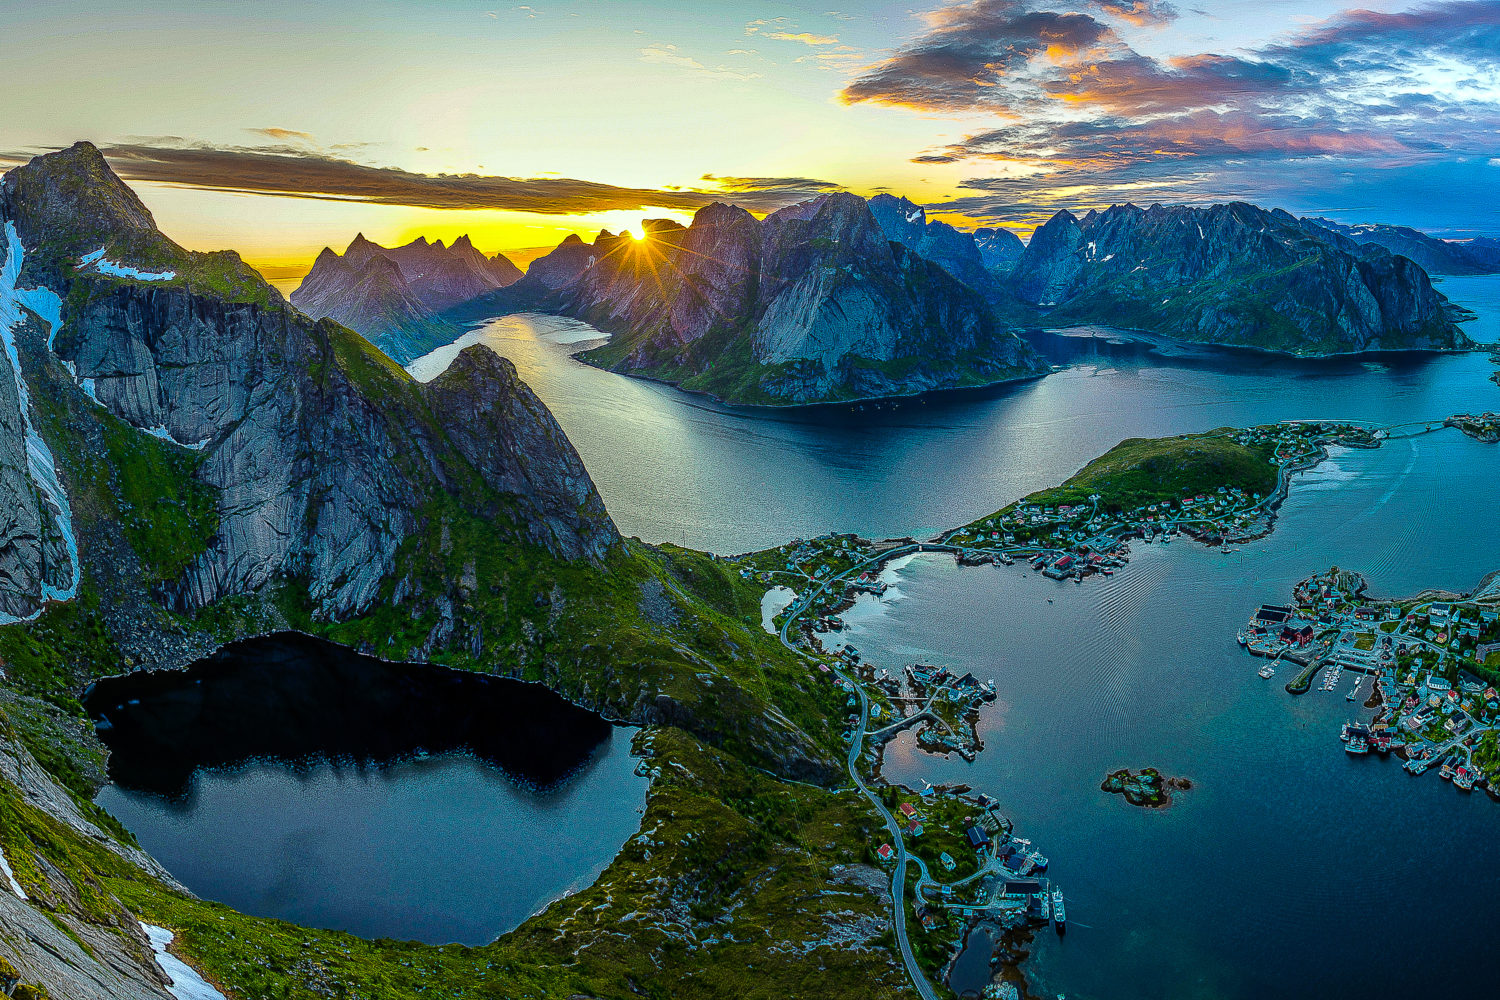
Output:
(392, 295)
(194, 440)
(1435, 256)
(813, 304)
(187, 460)
(905, 222)
(1230, 274)
(999, 249)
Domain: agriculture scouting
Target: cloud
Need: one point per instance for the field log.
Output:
(972, 50)
(665, 54)
(806, 38)
(281, 134)
(1077, 108)
(1141, 12)
(301, 173)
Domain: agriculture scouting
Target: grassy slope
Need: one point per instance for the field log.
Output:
(725, 853)
(1141, 471)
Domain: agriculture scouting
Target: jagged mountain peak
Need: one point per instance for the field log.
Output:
(73, 199)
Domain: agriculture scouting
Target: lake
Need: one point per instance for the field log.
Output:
(291, 778)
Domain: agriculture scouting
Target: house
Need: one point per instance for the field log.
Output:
(978, 837)
(884, 852)
(908, 810)
(1297, 630)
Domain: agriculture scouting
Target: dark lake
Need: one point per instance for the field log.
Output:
(292, 778)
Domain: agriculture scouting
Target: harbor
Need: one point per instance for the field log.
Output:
(1424, 670)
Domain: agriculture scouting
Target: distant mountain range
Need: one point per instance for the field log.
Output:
(1230, 274)
(839, 298)
(1435, 256)
(394, 295)
(815, 303)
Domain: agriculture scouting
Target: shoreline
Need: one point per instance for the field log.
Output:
(822, 404)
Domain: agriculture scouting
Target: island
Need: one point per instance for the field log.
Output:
(1149, 789)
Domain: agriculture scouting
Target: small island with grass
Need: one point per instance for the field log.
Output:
(1149, 789)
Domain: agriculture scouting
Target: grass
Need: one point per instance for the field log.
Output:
(738, 885)
(1141, 471)
(168, 515)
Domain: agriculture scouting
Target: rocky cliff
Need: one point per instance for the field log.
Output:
(1435, 256)
(392, 295)
(815, 303)
(1229, 274)
(198, 442)
(186, 459)
(957, 252)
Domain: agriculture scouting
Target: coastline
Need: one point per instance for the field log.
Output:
(822, 404)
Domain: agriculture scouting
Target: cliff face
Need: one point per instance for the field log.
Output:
(814, 303)
(320, 451)
(185, 440)
(958, 253)
(1230, 274)
(392, 295)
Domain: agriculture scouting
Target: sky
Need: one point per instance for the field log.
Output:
(278, 128)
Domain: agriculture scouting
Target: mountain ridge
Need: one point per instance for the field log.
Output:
(812, 304)
(1231, 274)
(394, 295)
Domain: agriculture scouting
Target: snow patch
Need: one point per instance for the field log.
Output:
(160, 431)
(40, 463)
(10, 877)
(103, 265)
(187, 984)
(914, 216)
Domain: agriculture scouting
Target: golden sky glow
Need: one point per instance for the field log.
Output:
(553, 120)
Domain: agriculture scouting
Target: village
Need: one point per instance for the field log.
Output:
(1427, 668)
(970, 868)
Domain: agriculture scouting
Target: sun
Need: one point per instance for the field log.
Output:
(638, 233)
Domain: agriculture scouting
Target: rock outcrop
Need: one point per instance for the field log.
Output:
(813, 304)
(957, 252)
(392, 295)
(1230, 274)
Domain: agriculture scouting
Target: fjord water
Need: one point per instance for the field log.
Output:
(1291, 869)
(291, 778)
(673, 467)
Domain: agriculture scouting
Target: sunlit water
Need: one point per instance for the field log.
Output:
(295, 780)
(680, 468)
(1291, 869)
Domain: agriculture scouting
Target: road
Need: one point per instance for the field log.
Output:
(856, 749)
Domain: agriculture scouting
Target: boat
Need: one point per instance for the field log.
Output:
(1059, 917)
(1267, 671)
(1243, 639)
(1356, 744)
(1046, 908)
(1463, 779)
(1344, 733)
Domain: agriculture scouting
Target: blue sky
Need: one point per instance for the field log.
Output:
(276, 128)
